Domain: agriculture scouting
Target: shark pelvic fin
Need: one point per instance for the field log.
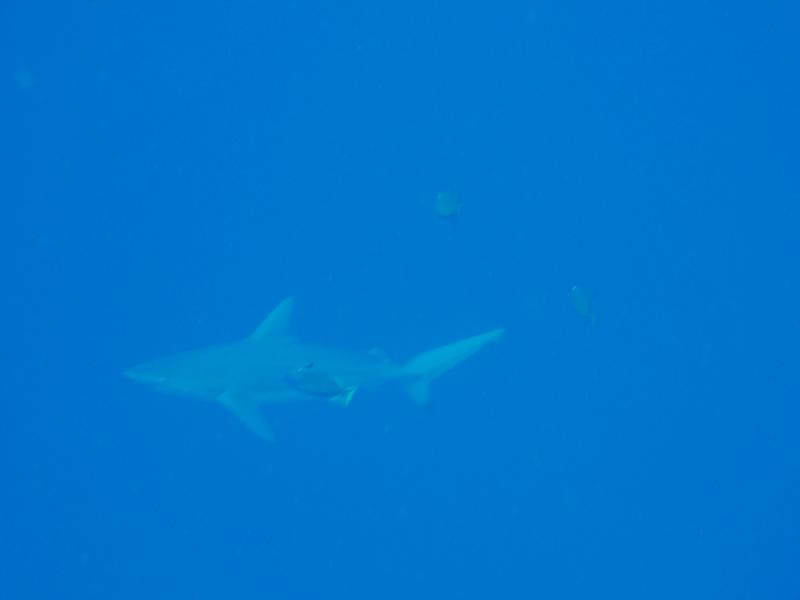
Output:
(427, 366)
(277, 322)
(345, 396)
(248, 413)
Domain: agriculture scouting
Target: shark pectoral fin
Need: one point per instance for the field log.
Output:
(247, 412)
(344, 397)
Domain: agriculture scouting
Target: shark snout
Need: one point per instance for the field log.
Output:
(142, 376)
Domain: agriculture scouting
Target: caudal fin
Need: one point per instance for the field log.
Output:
(427, 366)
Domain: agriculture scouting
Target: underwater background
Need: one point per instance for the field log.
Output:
(616, 184)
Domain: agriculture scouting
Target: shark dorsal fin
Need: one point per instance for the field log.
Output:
(277, 322)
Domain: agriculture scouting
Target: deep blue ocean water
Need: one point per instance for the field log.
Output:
(169, 171)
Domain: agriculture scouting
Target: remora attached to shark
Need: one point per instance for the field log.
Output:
(272, 366)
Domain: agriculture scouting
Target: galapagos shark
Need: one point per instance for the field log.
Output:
(273, 366)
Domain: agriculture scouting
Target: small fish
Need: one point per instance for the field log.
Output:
(314, 382)
(448, 205)
(582, 303)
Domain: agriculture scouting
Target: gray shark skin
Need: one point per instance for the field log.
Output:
(272, 366)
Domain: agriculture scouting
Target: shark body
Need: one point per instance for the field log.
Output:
(272, 366)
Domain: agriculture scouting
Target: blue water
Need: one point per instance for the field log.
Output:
(169, 171)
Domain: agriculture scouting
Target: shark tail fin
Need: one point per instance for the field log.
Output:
(425, 367)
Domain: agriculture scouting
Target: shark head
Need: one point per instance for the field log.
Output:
(168, 378)
(140, 374)
(150, 377)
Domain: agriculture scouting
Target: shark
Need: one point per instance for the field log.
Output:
(273, 366)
